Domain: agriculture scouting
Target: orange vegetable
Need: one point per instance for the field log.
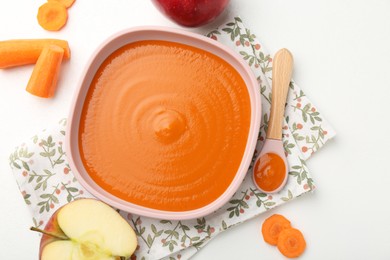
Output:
(20, 52)
(66, 3)
(43, 81)
(272, 227)
(52, 16)
(291, 243)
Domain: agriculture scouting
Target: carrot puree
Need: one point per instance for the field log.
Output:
(269, 172)
(164, 125)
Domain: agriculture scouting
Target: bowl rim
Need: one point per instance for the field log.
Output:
(192, 39)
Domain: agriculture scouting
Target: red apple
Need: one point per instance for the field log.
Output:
(191, 13)
(86, 229)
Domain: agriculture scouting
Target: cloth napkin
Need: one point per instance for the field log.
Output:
(46, 180)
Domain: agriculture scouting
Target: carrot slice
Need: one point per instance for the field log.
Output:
(43, 80)
(272, 227)
(20, 52)
(66, 3)
(52, 16)
(291, 243)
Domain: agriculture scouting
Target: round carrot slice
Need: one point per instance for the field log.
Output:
(291, 243)
(52, 16)
(66, 3)
(272, 227)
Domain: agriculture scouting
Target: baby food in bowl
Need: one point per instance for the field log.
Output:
(165, 127)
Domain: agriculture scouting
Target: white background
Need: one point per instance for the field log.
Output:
(342, 62)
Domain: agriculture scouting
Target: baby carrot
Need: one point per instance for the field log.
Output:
(20, 52)
(43, 80)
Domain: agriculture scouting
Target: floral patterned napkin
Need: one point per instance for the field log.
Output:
(47, 182)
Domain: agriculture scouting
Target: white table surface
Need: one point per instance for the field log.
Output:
(342, 62)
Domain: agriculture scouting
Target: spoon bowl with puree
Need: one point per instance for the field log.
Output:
(270, 171)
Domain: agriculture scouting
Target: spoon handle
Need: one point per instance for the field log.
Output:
(281, 76)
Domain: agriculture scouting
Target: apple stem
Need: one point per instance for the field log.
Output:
(49, 233)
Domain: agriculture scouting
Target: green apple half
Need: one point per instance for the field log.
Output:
(87, 229)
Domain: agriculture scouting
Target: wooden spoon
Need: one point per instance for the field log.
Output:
(270, 171)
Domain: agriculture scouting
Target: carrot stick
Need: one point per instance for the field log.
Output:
(52, 16)
(43, 80)
(66, 3)
(291, 243)
(20, 52)
(272, 227)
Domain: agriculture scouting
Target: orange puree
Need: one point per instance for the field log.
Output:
(164, 125)
(270, 172)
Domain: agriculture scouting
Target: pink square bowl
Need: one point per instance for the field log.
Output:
(173, 35)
